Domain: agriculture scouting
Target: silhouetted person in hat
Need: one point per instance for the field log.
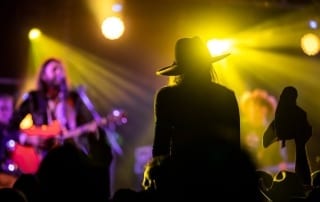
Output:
(197, 124)
(196, 109)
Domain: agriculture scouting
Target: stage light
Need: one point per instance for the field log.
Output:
(218, 47)
(117, 7)
(112, 28)
(313, 24)
(11, 145)
(34, 33)
(310, 44)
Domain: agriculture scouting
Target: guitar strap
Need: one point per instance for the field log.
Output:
(110, 134)
(89, 105)
(87, 102)
(51, 111)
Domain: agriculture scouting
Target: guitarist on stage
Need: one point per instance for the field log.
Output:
(53, 102)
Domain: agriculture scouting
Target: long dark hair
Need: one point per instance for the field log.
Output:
(41, 84)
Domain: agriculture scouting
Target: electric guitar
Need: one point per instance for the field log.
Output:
(36, 135)
(26, 156)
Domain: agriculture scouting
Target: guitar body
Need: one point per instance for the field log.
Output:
(42, 137)
(26, 158)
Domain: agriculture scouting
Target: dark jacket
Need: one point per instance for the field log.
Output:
(187, 116)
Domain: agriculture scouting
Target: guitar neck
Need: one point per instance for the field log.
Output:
(36, 135)
(88, 127)
(73, 133)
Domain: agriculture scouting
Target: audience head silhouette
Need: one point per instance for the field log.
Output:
(10, 194)
(67, 172)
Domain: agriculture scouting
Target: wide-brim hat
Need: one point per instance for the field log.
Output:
(189, 51)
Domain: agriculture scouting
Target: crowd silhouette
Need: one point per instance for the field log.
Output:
(196, 152)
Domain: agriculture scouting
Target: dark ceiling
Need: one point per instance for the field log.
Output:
(151, 26)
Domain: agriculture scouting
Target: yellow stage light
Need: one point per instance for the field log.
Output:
(217, 47)
(310, 44)
(112, 28)
(34, 33)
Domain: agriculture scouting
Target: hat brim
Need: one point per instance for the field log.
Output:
(269, 135)
(174, 70)
(171, 70)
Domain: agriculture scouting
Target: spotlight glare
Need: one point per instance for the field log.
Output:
(117, 7)
(112, 28)
(313, 24)
(116, 113)
(11, 144)
(217, 47)
(310, 44)
(34, 33)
